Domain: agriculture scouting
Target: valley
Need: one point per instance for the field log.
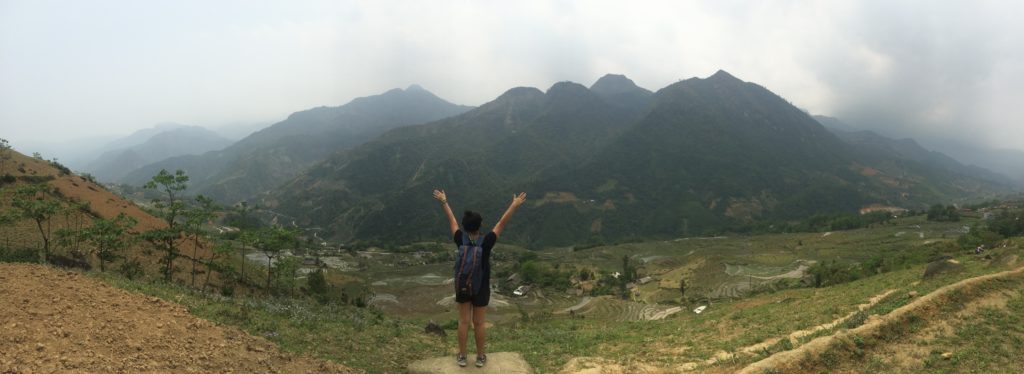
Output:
(674, 187)
(708, 226)
(615, 306)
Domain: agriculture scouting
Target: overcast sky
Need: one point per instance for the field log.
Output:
(77, 68)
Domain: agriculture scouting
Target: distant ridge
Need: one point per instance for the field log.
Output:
(611, 162)
(151, 145)
(279, 152)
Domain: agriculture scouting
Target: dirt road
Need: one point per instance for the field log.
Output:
(53, 320)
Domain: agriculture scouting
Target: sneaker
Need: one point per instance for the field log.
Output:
(481, 360)
(461, 360)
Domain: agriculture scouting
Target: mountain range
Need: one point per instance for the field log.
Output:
(616, 161)
(281, 151)
(907, 153)
(151, 145)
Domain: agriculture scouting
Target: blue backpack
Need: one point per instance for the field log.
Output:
(469, 266)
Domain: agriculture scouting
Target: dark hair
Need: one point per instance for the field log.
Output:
(471, 221)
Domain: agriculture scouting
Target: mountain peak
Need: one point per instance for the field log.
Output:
(567, 88)
(615, 84)
(413, 91)
(520, 92)
(722, 75)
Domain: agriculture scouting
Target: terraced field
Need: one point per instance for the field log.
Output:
(610, 309)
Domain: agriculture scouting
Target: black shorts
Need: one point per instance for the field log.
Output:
(482, 298)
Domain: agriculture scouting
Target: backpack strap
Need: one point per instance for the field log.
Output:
(483, 238)
(479, 240)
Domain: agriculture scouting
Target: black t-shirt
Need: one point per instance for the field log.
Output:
(489, 241)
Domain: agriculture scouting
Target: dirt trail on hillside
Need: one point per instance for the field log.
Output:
(787, 359)
(795, 335)
(58, 321)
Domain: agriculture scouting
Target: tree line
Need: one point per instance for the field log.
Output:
(184, 235)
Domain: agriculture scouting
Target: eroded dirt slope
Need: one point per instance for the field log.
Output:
(53, 320)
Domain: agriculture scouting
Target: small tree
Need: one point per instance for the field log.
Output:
(241, 217)
(164, 239)
(35, 202)
(628, 271)
(284, 271)
(172, 207)
(172, 186)
(316, 285)
(110, 237)
(71, 236)
(5, 154)
(7, 218)
(201, 212)
(246, 239)
(221, 249)
(272, 241)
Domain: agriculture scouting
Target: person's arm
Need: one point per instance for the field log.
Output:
(517, 200)
(452, 223)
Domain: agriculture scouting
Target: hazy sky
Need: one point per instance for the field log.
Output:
(76, 68)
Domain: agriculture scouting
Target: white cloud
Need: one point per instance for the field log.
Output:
(71, 68)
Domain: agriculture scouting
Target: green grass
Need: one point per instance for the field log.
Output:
(370, 340)
(989, 340)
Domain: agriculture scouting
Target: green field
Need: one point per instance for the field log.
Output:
(388, 335)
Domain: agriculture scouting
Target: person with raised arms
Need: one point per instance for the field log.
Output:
(472, 271)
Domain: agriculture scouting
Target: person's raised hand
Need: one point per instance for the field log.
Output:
(519, 199)
(440, 196)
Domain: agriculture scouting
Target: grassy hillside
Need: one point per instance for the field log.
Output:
(735, 330)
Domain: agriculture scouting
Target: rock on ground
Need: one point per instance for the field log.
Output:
(501, 362)
(59, 321)
(942, 266)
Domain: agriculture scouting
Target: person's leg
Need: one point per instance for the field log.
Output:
(465, 313)
(479, 330)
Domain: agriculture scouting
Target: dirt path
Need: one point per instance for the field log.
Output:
(787, 359)
(58, 321)
(795, 335)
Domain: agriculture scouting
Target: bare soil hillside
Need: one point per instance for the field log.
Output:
(58, 321)
(101, 203)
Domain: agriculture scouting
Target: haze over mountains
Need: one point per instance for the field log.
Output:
(608, 162)
(616, 161)
(1008, 162)
(885, 149)
(277, 153)
(151, 145)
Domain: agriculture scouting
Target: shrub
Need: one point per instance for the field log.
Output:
(62, 170)
(316, 285)
(131, 269)
(18, 255)
(941, 213)
(1008, 223)
(978, 236)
